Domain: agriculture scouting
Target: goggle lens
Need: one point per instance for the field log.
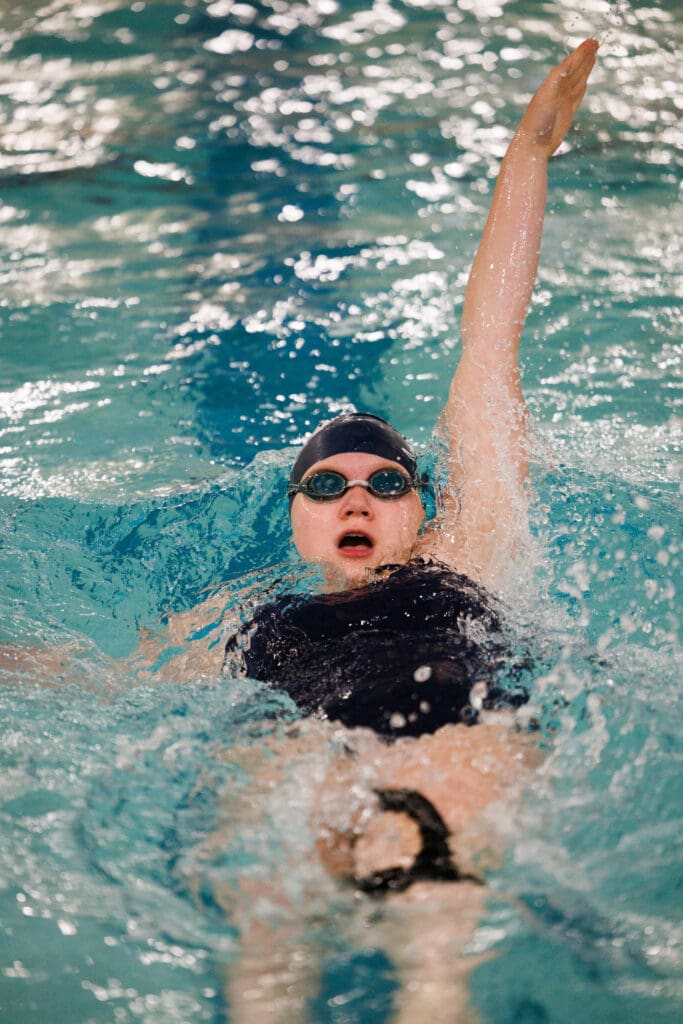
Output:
(388, 483)
(325, 485)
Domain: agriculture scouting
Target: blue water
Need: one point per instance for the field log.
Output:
(218, 224)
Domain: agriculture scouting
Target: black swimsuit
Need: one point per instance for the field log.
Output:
(402, 655)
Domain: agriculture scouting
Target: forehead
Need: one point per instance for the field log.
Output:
(354, 464)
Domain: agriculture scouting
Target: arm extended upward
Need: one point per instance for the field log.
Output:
(485, 418)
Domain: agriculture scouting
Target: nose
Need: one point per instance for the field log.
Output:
(356, 502)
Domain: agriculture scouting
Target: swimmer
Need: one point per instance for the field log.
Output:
(402, 646)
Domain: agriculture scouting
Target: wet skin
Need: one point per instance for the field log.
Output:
(358, 531)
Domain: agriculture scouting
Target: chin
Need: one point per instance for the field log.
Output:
(345, 575)
(340, 575)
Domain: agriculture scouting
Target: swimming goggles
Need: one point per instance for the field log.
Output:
(328, 485)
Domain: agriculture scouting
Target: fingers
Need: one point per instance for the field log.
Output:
(586, 50)
(551, 111)
(583, 54)
(567, 85)
(577, 66)
(570, 76)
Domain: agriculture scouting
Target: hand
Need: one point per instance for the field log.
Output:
(549, 115)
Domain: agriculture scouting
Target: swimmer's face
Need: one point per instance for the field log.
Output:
(358, 531)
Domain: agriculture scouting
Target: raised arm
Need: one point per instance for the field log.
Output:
(484, 422)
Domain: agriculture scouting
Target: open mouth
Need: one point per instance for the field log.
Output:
(355, 544)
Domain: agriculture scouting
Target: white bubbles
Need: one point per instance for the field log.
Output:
(231, 41)
(166, 171)
(290, 214)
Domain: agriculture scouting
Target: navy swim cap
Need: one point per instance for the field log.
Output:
(355, 432)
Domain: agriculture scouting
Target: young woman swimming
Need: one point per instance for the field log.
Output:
(403, 645)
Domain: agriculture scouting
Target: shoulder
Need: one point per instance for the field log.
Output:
(489, 566)
(427, 567)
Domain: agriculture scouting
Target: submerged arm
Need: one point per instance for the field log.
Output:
(188, 647)
(485, 419)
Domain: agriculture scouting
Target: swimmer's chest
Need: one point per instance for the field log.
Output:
(399, 655)
(410, 603)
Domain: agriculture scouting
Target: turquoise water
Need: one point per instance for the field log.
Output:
(219, 223)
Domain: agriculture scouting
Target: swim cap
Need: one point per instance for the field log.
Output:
(355, 432)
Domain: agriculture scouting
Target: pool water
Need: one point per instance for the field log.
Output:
(221, 222)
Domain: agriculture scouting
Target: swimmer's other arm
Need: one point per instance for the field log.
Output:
(190, 645)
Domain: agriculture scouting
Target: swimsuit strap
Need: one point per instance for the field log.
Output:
(433, 862)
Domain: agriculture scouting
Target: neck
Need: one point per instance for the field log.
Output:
(335, 579)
